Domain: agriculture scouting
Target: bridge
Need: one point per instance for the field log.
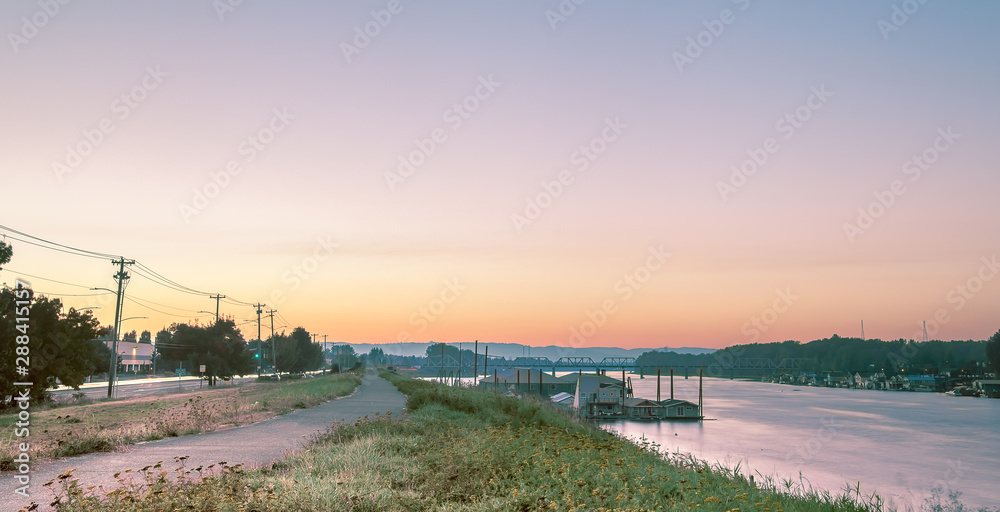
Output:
(741, 365)
(608, 363)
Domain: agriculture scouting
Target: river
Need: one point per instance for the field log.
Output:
(897, 444)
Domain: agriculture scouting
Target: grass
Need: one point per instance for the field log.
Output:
(103, 426)
(458, 450)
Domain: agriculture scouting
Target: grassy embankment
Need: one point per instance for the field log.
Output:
(107, 425)
(459, 449)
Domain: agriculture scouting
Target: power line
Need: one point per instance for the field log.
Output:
(156, 280)
(283, 319)
(173, 283)
(153, 275)
(92, 254)
(132, 299)
(52, 248)
(46, 294)
(137, 268)
(165, 305)
(45, 278)
(236, 302)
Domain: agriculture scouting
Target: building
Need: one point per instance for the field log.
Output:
(681, 409)
(136, 356)
(990, 388)
(920, 383)
(564, 400)
(523, 380)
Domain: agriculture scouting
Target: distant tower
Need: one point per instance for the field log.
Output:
(863, 331)
(925, 330)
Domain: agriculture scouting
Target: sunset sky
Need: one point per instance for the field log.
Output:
(569, 176)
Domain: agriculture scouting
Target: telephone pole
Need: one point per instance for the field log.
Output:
(121, 276)
(259, 356)
(324, 354)
(274, 344)
(217, 298)
(314, 342)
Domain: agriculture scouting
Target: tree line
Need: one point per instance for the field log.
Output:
(836, 354)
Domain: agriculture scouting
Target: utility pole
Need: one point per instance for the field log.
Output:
(314, 342)
(259, 356)
(475, 362)
(324, 354)
(121, 276)
(217, 298)
(274, 344)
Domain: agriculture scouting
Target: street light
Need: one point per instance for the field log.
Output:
(211, 313)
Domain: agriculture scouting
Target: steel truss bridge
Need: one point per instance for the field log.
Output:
(617, 363)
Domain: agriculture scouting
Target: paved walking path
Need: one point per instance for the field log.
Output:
(258, 444)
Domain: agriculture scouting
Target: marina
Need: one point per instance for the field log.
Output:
(597, 396)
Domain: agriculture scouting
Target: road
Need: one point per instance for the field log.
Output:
(141, 387)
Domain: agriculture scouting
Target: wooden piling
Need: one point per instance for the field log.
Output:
(671, 383)
(701, 404)
(657, 385)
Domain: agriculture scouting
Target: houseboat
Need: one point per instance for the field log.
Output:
(602, 397)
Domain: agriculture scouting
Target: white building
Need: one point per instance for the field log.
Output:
(136, 356)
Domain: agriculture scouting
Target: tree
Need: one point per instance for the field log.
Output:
(161, 337)
(297, 353)
(102, 357)
(145, 337)
(219, 347)
(993, 352)
(59, 348)
(376, 356)
(344, 358)
(6, 252)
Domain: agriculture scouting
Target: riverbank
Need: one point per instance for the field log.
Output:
(104, 426)
(463, 449)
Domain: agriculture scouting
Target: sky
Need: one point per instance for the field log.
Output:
(575, 173)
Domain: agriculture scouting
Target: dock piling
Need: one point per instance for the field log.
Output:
(671, 383)
(701, 403)
(657, 385)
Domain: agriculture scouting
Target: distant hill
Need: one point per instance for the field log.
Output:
(511, 350)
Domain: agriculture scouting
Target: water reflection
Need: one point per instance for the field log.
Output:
(900, 445)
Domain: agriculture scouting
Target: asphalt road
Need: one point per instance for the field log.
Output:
(141, 387)
(253, 445)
